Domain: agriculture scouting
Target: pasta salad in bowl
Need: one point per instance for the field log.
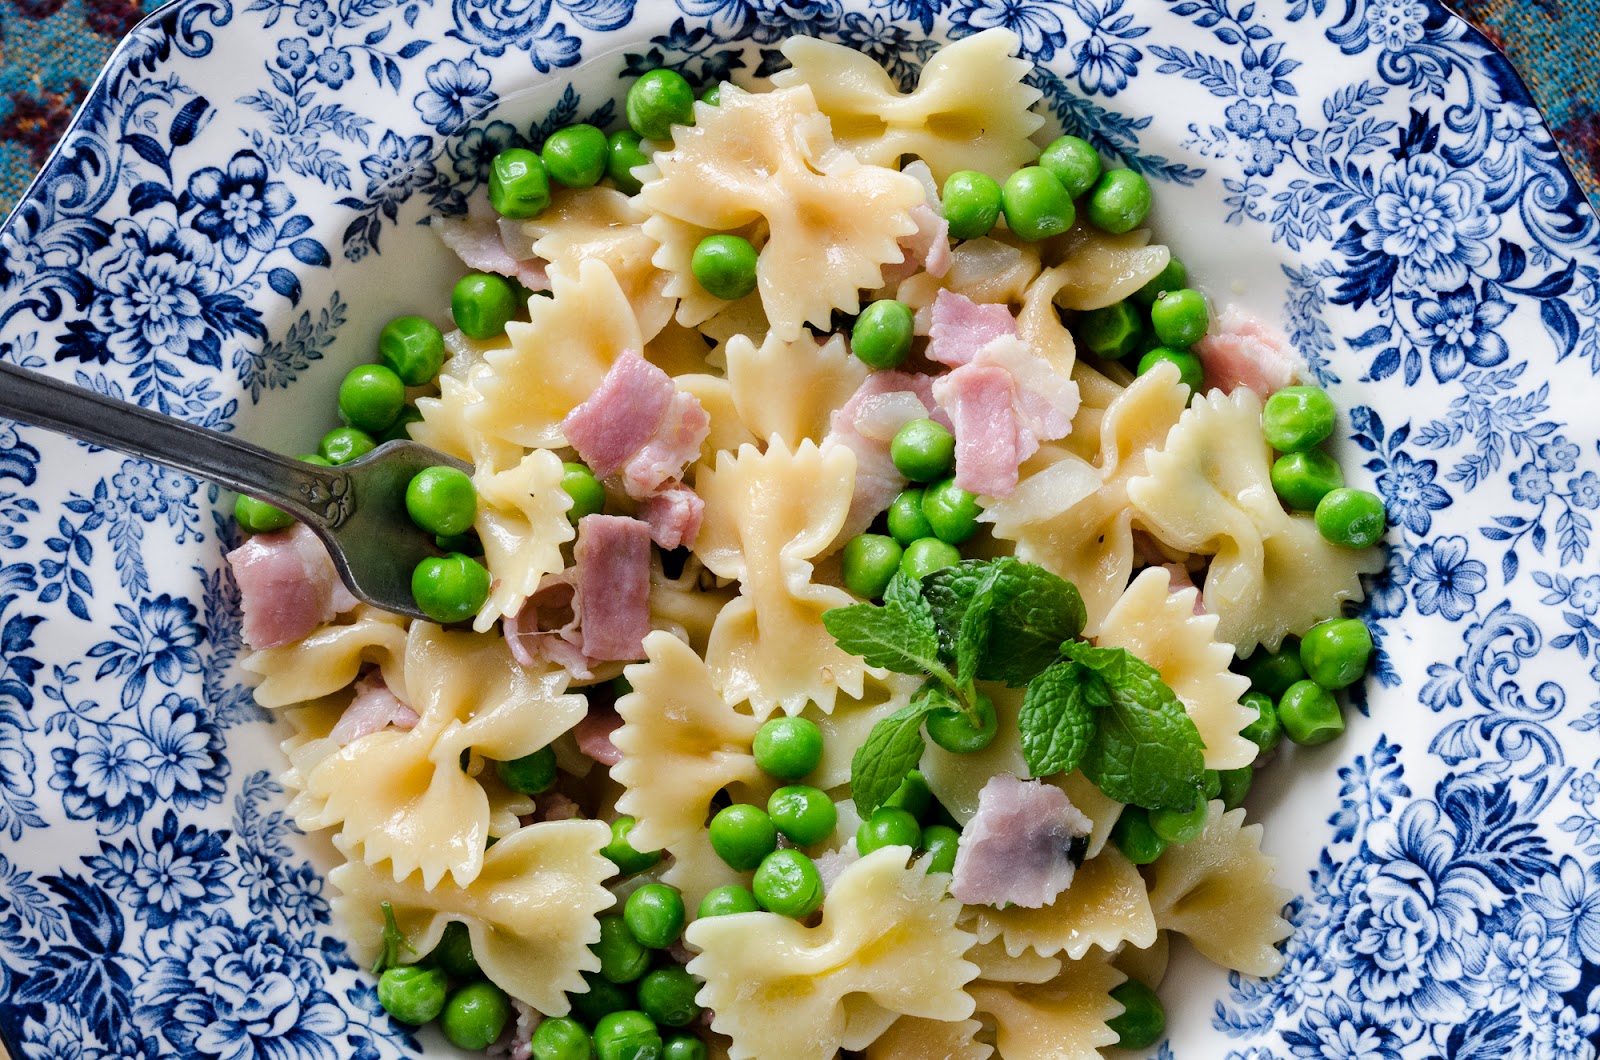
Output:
(894, 578)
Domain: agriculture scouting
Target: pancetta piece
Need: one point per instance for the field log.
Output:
(287, 586)
(928, 248)
(593, 734)
(612, 558)
(674, 516)
(866, 424)
(1018, 846)
(961, 327)
(373, 709)
(477, 242)
(621, 416)
(673, 445)
(1242, 350)
(549, 628)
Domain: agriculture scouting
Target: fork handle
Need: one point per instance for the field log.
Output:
(315, 495)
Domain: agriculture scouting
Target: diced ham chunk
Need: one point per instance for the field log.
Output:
(671, 447)
(374, 709)
(477, 242)
(593, 734)
(928, 248)
(516, 1042)
(548, 629)
(287, 586)
(613, 578)
(962, 327)
(1002, 404)
(1017, 846)
(831, 864)
(866, 424)
(554, 806)
(1241, 350)
(673, 516)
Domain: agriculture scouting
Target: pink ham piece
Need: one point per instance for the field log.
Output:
(928, 248)
(476, 241)
(287, 587)
(962, 327)
(674, 516)
(831, 864)
(1244, 351)
(613, 578)
(1015, 848)
(671, 447)
(516, 1042)
(374, 709)
(548, 628)
(593, 734)
(554, 806)
(866, 424)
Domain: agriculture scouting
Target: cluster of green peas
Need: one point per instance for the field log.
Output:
(472, 1014)
(1294, 421)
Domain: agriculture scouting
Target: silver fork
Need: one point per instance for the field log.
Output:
(357, 509)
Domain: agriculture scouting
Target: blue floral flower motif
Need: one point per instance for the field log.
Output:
(1458, 329)
(1244, 118)
(172, 637)
(1529, 966)
(104, 776)
(922, 12)
(299, 897)
(1409, 492)
(334, 67)
(237, 206)
(1566, 1037)
(1585, 490)
(399, 167)
(1558, 454)
(135, 485)
(1282, 122)
(1035, 21)
(786, 18)
(1584, 594)
(886, 42)
(179, 873)
(1261, 156)
(295, 55)
(1569, 901)
(157, 290)
(188, 766)
(1584, 788)
(1337, 1032)
(474, 150)
(457, 91)
(51, 1040)
(1531, 483)
(1432, 218)
(1386, 596)
(1395, 25)
(1445, 581)
(1105, 61)
(314, 17)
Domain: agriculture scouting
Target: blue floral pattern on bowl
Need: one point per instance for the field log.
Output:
(236, 211)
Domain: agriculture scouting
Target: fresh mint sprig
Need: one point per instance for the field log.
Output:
(394, 941)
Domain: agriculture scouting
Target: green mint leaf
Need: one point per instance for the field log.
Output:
(891, 750)
(1057, 719)
(899, 636)
(1145, 750)
(394, 941)
(972, 636)
(1031, 613)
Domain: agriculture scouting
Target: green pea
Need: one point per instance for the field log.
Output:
(942, 844)
(726, 900)
(1309, 714)
(481, 304)
(602, 997)
(626, 1035)
(1171, 278)
(1175, 827)
(923, 450)
(531, 774)
(655, 915)
(951, 511)
(913, 795)
(803, 814)
(1036, 204)
(1350, 517)
(725, 266)
(344, 444)
(412, 994)
(787, 883)
(1133, 836)
(1112, 331)
(881, 337)
(370, 397)
(259, 517)
(657, 101)
(684, 1046)
(474, 1015)
(742, 835)
(1271, 672)
(868, 563)
(954, 731)
(925, 555)
(1236, 785)
(519, 187)
(399, 430)
(1297, 417)
(667, 996)
(1190, 371)
(1119, 202)
(450, 588)
(561, 1038)
(971, 203)
(621, 853)
(622, 957)
(1143, 1020)
(623, 156)
(1264, 729)
(412, 348)
(575, 156)
(1180, 318)
(1335, 653)
(712, 97)
(587, 493)
(888, 827)
(788, 748)
(1074, 162)
(905, 518)
(442, 500)
(1301, 480)
(454, 952)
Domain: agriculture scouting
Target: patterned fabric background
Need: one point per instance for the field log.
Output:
(51, 50)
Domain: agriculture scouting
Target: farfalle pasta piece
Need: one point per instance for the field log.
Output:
(331, 658)
(887, 943)
(1061, 1020)
(1106, 906)
(847, 726)
(996, 965)
(970, 109)
(791, 389)
(682, 607)
(1160, 626)
(767, 515)
(696, 868)
(681, 743)
(1209, 490)
(522, 522)
(446, 423)
(403, 797)
(956, 779)
(1218, 891)
(832, 222)
(530, 914)
(1072, 517)
(675, 241)
(728, 430)
(1098, 269)
(1148, 965)
(915, 1038)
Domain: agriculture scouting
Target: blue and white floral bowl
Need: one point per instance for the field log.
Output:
(235, 211)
